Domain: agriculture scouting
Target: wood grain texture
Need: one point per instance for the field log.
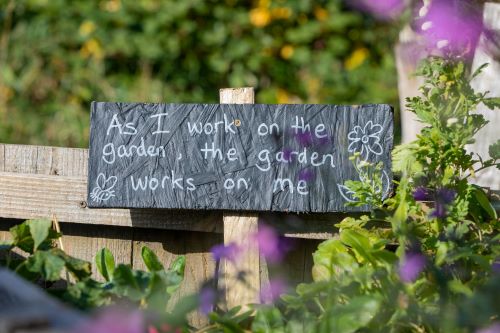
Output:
(238, 228)
(409, 51)
(83, 241)
(487, 81)
(26, 196)
(242, 157)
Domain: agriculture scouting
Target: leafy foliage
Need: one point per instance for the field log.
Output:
(45, 264)
(424, 260)
(58, 56)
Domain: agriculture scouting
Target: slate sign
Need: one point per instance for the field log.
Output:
(256, 157)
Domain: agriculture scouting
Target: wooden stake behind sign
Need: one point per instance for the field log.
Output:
(238, 228)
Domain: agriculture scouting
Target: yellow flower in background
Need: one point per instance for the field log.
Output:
(260, 17)
(6, 93)
(86, 28)
(282, 96)
(112, 5)
(286, 51)
(281, 13)
(320, 13)
(356, 59)
(263, 3)
(92, 48)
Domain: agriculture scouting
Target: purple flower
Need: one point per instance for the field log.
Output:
(439, 211)
(207, 300)
(421, 194)
(230, 251)
(306, 175)
(305, 138)
(453, 28)
(271, 245)
(445, 195)
(287, 154)
(114, 321)
(382, 9)
(273, 291)
(495, 267)
(494, 328)
(412, 265)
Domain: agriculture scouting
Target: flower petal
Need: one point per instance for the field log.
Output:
(376, 148)
(354, 134)
(354, 146)
(368, 127)
(376, 130)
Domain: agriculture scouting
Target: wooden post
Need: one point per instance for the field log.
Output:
(237, 229)
(488, 80)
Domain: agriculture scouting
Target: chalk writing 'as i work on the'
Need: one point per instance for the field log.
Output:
(210, 151)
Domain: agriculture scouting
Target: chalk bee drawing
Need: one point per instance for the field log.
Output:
(365, 140)
(104, 188)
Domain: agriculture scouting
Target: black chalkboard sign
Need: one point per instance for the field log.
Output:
(255, 157)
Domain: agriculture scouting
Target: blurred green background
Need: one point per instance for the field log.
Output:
(56, 56)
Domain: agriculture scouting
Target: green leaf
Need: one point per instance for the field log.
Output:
(151, 260)
(157, 296)
(105, 263)
(128, 283)
(494, 150)
(178, 265)
(492, 103)
(358, 242)
(479, 70)
(354, 315)
(405, 160)
(21, 237)
(47, 264)
(482, 199)
(39, 230)
(80, 269)
(458, 287)
(268, 320)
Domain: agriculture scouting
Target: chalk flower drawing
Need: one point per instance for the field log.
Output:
(104, 188)
(365, 140)
(347, 193)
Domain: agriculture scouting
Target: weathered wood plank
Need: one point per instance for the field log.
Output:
(409, 51)
(487, 81)
(83, 241)
(237, 229)
(26, 196)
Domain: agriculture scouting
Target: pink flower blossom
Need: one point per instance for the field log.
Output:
(412, 265)
(450, 26)
(230, 251)
(207, 300)
(381, 9)
(271, 245)
(495, 328)
(306, 175)
(114, 321)
(273, 290)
